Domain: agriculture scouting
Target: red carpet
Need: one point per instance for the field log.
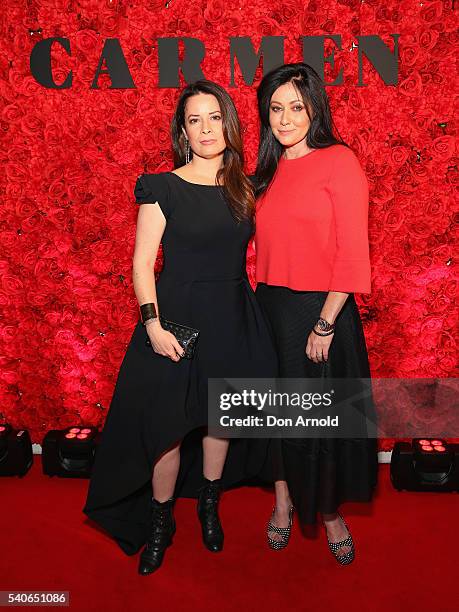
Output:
(405, 554)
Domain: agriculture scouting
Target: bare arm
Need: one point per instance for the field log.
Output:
(333, 304)
(150, 228)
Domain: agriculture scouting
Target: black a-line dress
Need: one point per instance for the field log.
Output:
(156, 401)
(321, 473)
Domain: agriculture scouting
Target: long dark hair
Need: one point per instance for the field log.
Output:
(320, 134)
(237, 188)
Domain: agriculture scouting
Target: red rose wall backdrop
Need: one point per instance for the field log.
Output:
(70, 158)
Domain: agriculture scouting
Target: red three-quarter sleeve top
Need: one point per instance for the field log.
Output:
(312, 224)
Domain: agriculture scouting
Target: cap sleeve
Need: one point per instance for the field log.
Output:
(154, 189)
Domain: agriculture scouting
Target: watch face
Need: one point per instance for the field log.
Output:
(322, 324)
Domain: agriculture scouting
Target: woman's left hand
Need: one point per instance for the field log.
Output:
(317, 347)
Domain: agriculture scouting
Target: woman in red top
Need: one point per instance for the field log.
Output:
(312, 253)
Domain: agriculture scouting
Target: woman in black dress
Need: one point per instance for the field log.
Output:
(312, 255)
(154, 439)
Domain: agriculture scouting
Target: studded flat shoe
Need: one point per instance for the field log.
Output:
(336, 546)
(284, 532)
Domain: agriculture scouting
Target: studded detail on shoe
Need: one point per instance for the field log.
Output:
(282, 531)
(336, 546)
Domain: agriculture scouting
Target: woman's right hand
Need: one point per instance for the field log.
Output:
(164, 342)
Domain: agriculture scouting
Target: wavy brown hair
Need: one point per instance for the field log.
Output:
(237, 188)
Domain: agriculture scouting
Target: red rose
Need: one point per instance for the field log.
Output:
(399, 155)
(409, 54)
(443, 148)
(411, 86)
(214, 11)
(427, 39)
(382, 192)
(86, 41)
(432, 12)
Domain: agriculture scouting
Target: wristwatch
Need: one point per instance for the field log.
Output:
(325, 327)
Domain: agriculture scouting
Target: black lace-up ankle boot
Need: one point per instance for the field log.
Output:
(162, 528)
(212, 532)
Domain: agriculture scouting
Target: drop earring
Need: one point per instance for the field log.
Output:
(187, 151)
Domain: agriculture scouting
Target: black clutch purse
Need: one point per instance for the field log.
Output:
(186, 336)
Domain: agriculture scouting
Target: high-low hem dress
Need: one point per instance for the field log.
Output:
(158, 402)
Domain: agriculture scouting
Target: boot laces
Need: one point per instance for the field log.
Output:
(159, 526)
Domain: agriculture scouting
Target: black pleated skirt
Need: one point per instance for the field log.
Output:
(321, 473)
